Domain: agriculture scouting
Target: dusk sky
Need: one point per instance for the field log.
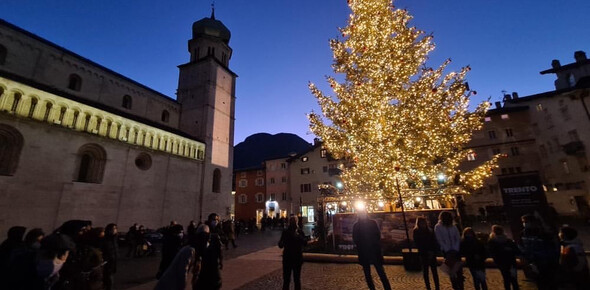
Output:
(279, 46)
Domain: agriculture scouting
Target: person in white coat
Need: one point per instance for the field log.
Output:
(449, 240)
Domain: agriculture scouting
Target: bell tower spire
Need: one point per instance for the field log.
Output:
(206, 92)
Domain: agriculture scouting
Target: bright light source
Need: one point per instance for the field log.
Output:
(339, 185)
(418, 199)
(441, 177)
(381, 204)
(344, 203)
(329, 206)
(360, 205)
(424, 177)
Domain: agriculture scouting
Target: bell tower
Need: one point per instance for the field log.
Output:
(206, 91)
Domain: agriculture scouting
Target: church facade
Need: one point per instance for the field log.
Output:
(80, 141)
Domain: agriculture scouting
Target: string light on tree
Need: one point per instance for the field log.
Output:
(392, 115)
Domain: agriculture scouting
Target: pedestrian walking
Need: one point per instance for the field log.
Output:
(175, 276)
(229, 230)
(541, 252)
(131, 239)
(21, 271)
(427, 247)
(449, 240)
(215, 227)
(475, 255)
(211, 265)
(13, 242)
(573, 263)
(200, 244)
(366, 236)
(171, 244)
(110, 253)
(504, 251)
(292, 242)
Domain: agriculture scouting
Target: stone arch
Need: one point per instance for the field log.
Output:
(91, 163)
(3, 53)
(165, 116)
(11, 144)
(74, 82)
(127, 102)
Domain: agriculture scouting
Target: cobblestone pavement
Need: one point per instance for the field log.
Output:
(350, 277)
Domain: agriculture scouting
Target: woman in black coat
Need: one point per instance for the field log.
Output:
(427, 247)
(292, 242)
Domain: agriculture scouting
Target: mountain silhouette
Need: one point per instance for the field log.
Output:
(263, 146)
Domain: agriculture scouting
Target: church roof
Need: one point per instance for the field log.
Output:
(211, 27)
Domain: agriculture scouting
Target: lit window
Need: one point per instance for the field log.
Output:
(471, 156)
(243, 182)
(323, 153)
(539, 107)
(505, 117)
(488, 119)
(304, 159)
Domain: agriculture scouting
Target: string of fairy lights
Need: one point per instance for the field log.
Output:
(393, 117)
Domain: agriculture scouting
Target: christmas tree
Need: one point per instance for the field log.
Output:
(393, 117)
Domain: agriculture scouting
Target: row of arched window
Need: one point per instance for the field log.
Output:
(79, 118)
(91, 159)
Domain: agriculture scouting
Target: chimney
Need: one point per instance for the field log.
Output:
(514, 95)
(555, 63)
(316, 141)
(498, 105)
(507, 97)
(580, 56)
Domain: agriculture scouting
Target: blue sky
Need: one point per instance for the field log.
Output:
(279, 46)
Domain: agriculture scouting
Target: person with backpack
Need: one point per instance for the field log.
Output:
(504, 251)
(572, 261)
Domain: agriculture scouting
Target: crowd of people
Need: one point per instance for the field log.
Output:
(75, 256)
(78, 255)
(551, 258)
